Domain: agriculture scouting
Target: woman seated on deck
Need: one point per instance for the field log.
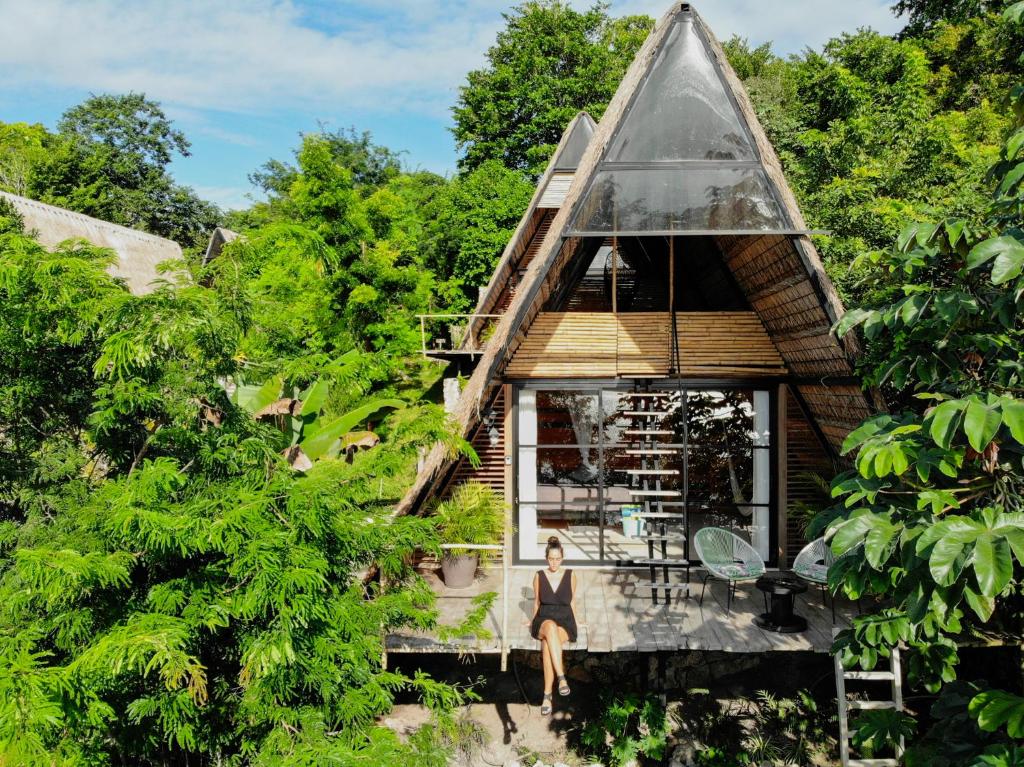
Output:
(554, 618)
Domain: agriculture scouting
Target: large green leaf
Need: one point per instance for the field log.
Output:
(988, 249)
(313, 398)
(950, 553)
(983, 606)
(879, 543)
(850, 320)
(1008, 264)
(255, 398)
(1013, 417)
(993, 566)
(981, 423)
(864, 432)
(1011, 179)
(945, 420)
(851, 533)
(317, 445)
(994, 708)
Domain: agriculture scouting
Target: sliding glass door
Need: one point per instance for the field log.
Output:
(578, 470)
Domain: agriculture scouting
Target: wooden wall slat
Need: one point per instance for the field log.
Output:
(491, 470)
(806, 458)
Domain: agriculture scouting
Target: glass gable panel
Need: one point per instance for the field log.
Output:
(682, 111)
(660, 199)
(575, 145)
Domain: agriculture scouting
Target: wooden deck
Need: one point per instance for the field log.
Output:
(615, 614)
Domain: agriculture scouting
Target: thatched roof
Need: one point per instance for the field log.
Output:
(563, 161)
(138, 253)
(218, 240)
(781, 275)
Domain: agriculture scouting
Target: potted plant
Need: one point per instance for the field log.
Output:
(474, 514)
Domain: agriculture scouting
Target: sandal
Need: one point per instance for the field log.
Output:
(563, 686)
(545, 707)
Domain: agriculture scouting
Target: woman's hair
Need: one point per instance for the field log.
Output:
(553, 545)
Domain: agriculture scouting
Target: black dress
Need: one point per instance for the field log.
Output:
(555, 605)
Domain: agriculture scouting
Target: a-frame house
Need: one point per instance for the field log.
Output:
(663, 343)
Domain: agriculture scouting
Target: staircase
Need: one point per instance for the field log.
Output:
(895, 701)
(648, 448)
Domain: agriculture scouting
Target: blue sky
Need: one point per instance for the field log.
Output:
(243, 78)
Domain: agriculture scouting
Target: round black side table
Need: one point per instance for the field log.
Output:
(780, 617)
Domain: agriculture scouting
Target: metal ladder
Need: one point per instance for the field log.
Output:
(649, 410)
(894, 676)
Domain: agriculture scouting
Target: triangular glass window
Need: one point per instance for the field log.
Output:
(576, 144)
(682, 111)
(681, 159)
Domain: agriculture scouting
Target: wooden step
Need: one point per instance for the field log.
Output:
(655, 494)
(667, 538)
(650, 432)
(647, 413)
(647, 394)
(653, 471)
(874, 763)
(658, 515)
(650, 451)
(870, 705)
(661, 562)
(872, 676)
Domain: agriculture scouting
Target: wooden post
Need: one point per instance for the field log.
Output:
(615, 274)
(504, 607)
(423, 333)
(509, 520)
(671, 274)
(782, 474)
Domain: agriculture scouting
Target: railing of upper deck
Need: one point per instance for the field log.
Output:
(445, 334)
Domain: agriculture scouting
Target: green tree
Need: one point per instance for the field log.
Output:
(110, 161)
(874, 131)
(371, 165)
(173, 590)
(931, 520)
(549, 62)
(21, 147)
(474, 219)
(925, 14)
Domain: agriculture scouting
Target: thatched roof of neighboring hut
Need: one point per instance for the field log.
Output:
(218, 240)
(561, 168)
(138, 253)
(779, 272)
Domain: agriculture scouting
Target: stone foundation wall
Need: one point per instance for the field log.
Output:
(680, 670)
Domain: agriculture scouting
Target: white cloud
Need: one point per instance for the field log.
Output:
(791, 25)
(244, 55)
(227, 197)
(324, 56)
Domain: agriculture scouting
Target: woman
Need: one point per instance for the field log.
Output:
(554, 618)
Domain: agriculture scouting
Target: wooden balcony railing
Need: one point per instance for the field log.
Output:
(448, 335)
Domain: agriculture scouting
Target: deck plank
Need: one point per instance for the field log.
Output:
(615, 613)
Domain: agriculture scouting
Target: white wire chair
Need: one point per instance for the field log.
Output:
(727, 557)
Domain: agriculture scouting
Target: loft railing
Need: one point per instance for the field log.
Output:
(447, 334)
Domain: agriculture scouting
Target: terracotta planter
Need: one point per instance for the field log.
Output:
(459, 570)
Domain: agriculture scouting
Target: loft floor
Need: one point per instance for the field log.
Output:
(616, 614)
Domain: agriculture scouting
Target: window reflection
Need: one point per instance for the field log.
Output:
(583, 468)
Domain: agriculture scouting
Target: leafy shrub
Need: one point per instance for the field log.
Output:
(629, 727)
(474, 515)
